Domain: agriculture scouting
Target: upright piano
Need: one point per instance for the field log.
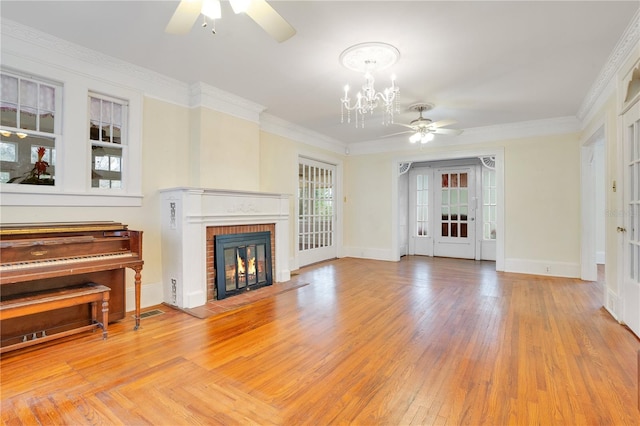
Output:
(47, 256)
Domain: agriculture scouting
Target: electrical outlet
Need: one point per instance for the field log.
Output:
(547, 268)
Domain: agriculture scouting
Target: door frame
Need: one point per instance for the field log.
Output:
(398, 162)
(588, 263)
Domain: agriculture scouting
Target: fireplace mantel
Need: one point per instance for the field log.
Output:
(186, 213)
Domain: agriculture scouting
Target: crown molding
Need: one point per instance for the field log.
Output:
(599, 90)
(476, 135)
(272, 124)
(27, 43)
(520, 130)
(204, 95)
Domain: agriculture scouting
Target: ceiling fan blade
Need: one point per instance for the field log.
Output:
(452, 132)
(270, 20)
(396, 134)
(442, 123)
(410, 126)
(184, 17)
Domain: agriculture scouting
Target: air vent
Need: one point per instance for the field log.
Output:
(151, 313)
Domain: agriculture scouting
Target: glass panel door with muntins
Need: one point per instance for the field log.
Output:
(489, 204)
(631, 227)
(422, 205)
(316, 211)
(421, 211)
(455, 232)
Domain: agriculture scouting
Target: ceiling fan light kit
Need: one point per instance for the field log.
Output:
(211, 9)
(368, 58)
(260, 11)
(422, 137)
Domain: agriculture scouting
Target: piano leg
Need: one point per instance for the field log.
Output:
(138, 285)
(105, 314)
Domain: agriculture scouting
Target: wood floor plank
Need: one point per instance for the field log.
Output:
(422, 341)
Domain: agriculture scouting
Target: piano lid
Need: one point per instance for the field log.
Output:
(56, 227)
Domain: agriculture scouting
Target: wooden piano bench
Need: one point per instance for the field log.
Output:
(43, 301)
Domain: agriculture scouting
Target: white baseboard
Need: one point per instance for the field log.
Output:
(541, 267)
(367, 253)
(150, 295)
(612, 304)
(283, 276)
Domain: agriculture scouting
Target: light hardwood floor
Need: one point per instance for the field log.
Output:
(421, 341)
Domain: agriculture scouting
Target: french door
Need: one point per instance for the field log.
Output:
(455, 201)
(316, 211)
(442, 212)
(631, 224)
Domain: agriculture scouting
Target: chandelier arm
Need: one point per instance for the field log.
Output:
(368, 100)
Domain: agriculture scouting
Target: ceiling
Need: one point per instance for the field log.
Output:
(482, 63)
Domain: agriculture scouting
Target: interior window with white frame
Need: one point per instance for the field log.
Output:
(29, 128)
(107, 135)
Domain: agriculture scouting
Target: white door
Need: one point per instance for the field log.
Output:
(316, 211)
(455, 207)
(421, 211)
(631, 224)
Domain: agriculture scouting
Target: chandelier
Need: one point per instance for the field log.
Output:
(367, 58)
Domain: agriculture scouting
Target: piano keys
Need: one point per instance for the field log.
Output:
(47, 256)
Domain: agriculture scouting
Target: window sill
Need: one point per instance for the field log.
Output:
(37, 197)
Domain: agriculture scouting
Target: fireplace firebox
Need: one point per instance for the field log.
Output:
(242, 262)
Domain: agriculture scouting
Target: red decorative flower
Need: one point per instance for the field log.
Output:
(41, 166)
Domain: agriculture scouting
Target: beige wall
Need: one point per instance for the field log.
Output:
(367, 209)
(226, 152)
(542, 199)
(278, 164)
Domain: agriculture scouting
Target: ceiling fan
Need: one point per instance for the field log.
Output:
(424, 129)
(259, 10)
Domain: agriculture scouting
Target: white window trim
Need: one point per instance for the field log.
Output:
(73, 184)
(123, 146)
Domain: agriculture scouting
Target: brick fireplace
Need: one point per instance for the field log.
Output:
(192, 217)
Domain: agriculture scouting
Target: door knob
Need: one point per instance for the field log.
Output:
(621, 229)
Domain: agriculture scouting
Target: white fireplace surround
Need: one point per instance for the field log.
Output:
(186, 214)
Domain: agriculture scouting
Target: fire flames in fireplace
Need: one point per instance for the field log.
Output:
(244, 271)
